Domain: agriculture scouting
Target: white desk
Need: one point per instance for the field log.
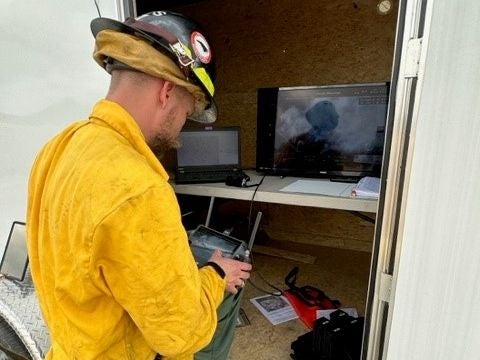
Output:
(270, 192)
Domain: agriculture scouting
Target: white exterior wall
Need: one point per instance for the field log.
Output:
(436, 304)
(48, 79)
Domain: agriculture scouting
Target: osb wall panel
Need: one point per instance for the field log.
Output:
(325, 227)
(264, 43)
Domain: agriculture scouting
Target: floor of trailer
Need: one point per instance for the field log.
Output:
(341, 274)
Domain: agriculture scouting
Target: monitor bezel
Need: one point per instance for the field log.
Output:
(267, 102)
(236, 129)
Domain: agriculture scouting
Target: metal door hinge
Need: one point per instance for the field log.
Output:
(385, 287)
(414, 50)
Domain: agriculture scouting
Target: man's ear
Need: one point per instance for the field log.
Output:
(165, 92)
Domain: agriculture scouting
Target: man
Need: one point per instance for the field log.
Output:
(108, 253)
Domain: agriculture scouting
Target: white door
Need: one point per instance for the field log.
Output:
(425, 287)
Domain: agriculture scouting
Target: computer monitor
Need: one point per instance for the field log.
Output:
(334, 131)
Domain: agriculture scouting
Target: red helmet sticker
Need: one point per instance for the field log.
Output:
(201, 47)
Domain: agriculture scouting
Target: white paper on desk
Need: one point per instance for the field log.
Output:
(321, 187)
(368, 187)
(276, 309)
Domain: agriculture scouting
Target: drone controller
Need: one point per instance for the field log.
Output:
(204, 241)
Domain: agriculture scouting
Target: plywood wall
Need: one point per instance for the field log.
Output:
(262, 43)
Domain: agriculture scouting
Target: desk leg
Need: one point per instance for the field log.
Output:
(209, 214)
(254, 230)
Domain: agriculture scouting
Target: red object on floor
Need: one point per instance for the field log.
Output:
(306, 300)
(308, 313)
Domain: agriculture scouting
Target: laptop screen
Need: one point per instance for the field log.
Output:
(205, 148)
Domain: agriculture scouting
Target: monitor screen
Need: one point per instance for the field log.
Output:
(324, 131)
(209, 147)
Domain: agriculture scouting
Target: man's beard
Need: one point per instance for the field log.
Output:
(161, 144)
(164, 141)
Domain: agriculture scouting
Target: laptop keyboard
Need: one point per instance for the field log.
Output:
(204, 177)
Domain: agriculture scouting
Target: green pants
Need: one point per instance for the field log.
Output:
(227, 312)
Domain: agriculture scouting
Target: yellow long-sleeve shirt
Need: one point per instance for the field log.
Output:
(108, 253)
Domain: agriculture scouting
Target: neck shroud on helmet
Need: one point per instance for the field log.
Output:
(152, 43)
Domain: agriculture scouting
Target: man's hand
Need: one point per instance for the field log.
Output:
(236, 272)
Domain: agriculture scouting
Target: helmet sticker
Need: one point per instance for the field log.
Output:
(201, 47)
(153, 13)
(183, 53)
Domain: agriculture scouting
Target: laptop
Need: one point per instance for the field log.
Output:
(208, 155)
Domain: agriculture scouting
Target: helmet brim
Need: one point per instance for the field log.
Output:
(207, 116)
(100, 24)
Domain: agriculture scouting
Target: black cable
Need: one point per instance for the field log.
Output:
(363, 217)
(98, 9)
(263, 290)
(279, 291)
(269, 284)
(252, 185)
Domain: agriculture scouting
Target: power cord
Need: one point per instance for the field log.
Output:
(363, 217)
(252, 200)
(278, 291)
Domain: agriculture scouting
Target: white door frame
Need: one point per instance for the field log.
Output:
(407, 72)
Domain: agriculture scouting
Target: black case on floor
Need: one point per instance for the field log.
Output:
(339, 338)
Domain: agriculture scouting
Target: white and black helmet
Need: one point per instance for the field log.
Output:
(179, 38)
